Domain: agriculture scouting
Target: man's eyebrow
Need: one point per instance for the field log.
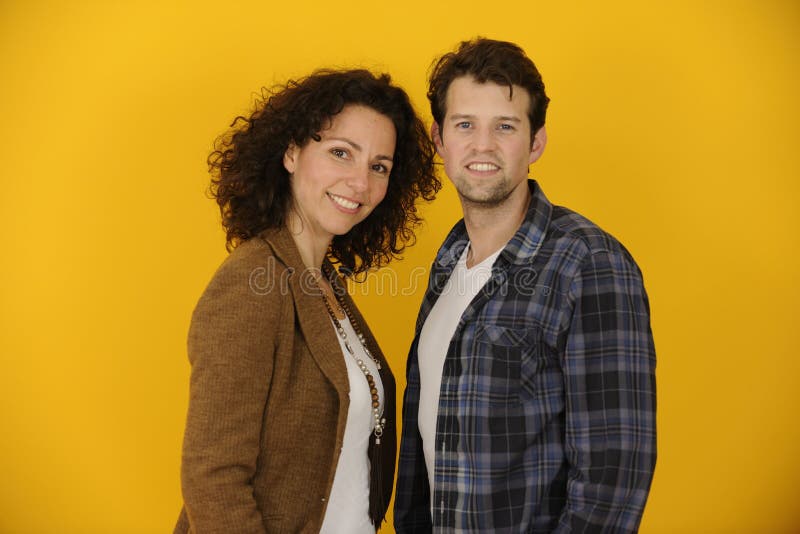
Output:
(358, 147)
(464, 116)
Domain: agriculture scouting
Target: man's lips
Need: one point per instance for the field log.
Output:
(482, 166)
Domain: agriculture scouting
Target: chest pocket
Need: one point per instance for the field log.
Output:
(505, 360)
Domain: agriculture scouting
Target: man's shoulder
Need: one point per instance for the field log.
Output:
(571, 225)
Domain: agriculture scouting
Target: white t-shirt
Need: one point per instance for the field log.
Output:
(348, 504)
(434, 339)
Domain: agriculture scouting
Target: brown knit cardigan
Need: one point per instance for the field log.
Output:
(268, 398)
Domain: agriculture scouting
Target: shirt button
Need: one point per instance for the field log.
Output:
(323, 499)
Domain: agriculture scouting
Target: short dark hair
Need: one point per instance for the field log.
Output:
(252, 186)
(500, 62)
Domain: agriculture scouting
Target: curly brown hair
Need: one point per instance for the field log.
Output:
(500, 62)
(252, 187)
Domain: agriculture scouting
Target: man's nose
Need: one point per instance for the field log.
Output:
(484, 139)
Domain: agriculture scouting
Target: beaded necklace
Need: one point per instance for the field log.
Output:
(373, 390)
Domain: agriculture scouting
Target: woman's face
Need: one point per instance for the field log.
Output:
(337, 181)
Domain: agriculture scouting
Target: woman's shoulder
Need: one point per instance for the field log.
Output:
(248, 255)
(249, 271)
(238, 307)
(249, 252)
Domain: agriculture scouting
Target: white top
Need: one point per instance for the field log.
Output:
(434, 340)
(348, 504)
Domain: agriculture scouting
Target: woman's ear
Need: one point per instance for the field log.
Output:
(290, 158)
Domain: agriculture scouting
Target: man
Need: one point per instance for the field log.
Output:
(530, 404)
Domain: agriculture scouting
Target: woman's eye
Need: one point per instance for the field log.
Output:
(339, 152)
(381, 168)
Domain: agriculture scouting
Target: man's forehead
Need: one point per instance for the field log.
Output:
(471, 97)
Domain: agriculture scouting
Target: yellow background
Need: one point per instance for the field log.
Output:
(674, 125)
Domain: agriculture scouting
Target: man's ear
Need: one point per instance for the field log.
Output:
(290, 158)
(538, 144)
(436, 135)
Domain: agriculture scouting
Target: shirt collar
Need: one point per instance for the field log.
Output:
(521, 248)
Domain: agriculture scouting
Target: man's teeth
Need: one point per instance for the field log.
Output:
(343, 202)
(482, 167)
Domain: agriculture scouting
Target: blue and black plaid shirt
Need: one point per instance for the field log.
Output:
(547, 404)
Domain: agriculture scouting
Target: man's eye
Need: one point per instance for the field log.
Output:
(464, 125)
(506, 127)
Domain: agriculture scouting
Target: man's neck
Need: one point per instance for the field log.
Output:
(491, 227)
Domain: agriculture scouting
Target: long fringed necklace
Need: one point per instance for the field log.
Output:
(377, 414)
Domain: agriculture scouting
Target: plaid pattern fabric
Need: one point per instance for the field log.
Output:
(547, 405)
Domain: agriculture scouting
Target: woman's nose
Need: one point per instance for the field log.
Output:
(358, 180)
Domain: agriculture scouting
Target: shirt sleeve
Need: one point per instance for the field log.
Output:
(609, 368)
(231, 348)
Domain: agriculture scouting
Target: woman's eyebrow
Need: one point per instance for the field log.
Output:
(358, 147)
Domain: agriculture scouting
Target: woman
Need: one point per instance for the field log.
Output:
(291, 411)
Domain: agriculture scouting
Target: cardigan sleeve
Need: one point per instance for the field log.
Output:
(231, 349)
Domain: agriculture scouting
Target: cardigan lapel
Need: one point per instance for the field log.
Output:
(313, 318)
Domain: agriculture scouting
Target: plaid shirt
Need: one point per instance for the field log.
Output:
(547, 404)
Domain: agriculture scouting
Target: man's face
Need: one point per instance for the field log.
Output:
(485, 140)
